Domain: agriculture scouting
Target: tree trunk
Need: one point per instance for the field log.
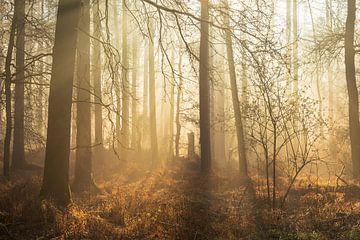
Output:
(204, 83)
(117, 78)
(329, 19)
(125, 85)
(145, 118)
(56, 171)
(8, 60)
(83, 166)
(220, 112)
(172, 108)
(97, 80)
(352, 88)
(236, 104)
(18, 156)
(178, 110)
(152, 98)
(191, 146)
(135, 144)
(288, 42)
(296, 50)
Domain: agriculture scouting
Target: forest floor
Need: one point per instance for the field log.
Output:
(176, 203)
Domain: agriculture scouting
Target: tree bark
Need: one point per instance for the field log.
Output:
(18, 156)
(145, 117)
(7, 139)
(178, 110)
(296, 50)
(352, 88)
(236, 104)
(56, 171)
(135, 144)
(152, 98)
(288, 42)
(204, 93)
(83, 166)
(117, 78)
(125, 85)
(172, 108)
(97, 81)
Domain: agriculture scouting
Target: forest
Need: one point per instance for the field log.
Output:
(179, 119)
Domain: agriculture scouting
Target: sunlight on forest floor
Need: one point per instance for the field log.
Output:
(177, 203)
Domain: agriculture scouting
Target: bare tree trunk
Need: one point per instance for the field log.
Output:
(236, 104)
(83, 166)
(18, 156)
(288, 42)
(145, 119)
(172, 108)
(220, 112)
(40, 117)
(329, 21)
(125, 85)
(296, 50)
(178, 110)
(135, 144)
(56, 172)
(352, 88)
(152, 99)
(191, 146)
(97, 80)
(7, 140)
(204, 81)
(117, 78)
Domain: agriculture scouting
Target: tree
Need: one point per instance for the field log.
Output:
(83, 166)
(124, 140)
(56, 170)
(295, 49)
(204, 89)
(8, 60)
(97, 80)
(235, 99)
(172, 108)
(18, 156)
(135, 144)
(178, 110)
(145, 117)
(354, 126)
(152, 97)
(116, 75)
(288, 41)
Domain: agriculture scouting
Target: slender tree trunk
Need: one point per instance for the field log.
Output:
(296, 50)
(220, 112)
(83, 166)
(204, 83)
(172, 108)
(152, 98)
(18, 156)
(40, 117)
(329, 21)
(125, 85)
(7, 140)
(145, 119)
(97, 80)
(288, 42)
(236, 104)
(212, 72)
(135, 144)
(178, 110)
(117, 78)
(352, 88)
(56, 171)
